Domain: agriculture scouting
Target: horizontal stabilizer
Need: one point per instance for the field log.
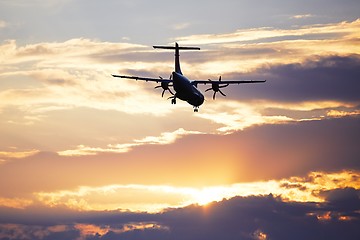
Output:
(177, 47)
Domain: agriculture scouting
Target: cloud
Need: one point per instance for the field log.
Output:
(326, 145)
(164, 138)
(301, 16)
(17, 231)
(67, 75)
(3, 24)
(249, 49)
(255, 34)
(17, 154)
(74, 53)
(326, 79)
(132, 197)
(17, 203)
(75, 73)
(58, 97)
(252, 217)
(295, 136)
(234, 116)
(181, 26)
(247, 217)
(348, 198)
(155, 198)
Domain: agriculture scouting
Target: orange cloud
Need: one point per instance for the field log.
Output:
(156, 198)
(94, 230)
(18, 154)
(19, 203)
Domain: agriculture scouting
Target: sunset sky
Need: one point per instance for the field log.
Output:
(86, 156)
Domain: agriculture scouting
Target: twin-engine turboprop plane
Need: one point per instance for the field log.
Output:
(184, 88)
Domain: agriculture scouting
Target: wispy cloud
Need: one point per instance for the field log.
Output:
(181, 26)
(343, 30)
(164, 138)
(3, 24)
(301, 16)
(18, 154)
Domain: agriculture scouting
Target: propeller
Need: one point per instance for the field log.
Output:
(165, 86)
(215, 86)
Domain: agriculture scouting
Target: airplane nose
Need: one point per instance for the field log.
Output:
(196, 100)
(199, 100)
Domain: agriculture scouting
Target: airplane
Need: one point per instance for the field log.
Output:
(184, 88)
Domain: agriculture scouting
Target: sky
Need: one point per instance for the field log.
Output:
(86, 156)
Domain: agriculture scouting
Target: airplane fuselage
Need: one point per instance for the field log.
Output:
(186, 91)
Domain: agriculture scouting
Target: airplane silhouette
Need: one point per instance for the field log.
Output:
(185, 89)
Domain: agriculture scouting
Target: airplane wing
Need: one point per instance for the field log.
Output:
(161, 80)
(216, 85)
(196, 82)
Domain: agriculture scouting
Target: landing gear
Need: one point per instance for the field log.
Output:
(196, 109)
(173, 99)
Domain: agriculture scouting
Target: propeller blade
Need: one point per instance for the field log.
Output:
(222, 93)
(208, 89)
(224, 86)
(214, 95)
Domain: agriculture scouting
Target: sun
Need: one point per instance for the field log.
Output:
(210, 194)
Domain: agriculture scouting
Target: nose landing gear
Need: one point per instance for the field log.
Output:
(173, 99)
(196, 109)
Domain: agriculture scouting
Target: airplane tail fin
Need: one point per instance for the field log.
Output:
(177, 49)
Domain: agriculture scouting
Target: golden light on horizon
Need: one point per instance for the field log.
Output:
(156, 198)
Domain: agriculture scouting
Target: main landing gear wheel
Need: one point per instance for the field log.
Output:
(196, 109)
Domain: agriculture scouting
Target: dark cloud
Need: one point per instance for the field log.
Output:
(237, 218)
(327, 78)
(346, 199)
(241, 218)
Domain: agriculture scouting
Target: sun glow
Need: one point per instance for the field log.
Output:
(207, 195)
(157, 198)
